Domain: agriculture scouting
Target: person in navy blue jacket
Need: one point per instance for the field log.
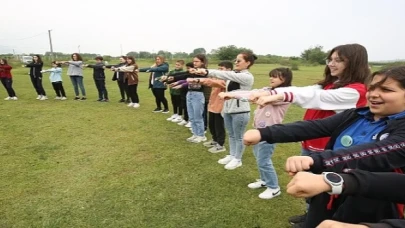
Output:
(159, 69)
(371, 139)
(379, 186)
(99, 78)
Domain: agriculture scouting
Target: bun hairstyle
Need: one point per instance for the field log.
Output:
(248, 56)
(57, 64)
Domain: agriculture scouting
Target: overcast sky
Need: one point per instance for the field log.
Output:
(279, 27)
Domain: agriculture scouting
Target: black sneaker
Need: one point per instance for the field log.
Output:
(83, 98)
(76, 98)
(166, 111)
(297, 219)
(157, 110)
(121, 101)
(99, 99)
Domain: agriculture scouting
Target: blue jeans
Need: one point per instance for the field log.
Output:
(263, 153)
(77, 82)
(236, 126)
(195, 109)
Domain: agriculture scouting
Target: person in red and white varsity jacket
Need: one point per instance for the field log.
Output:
(342, 88)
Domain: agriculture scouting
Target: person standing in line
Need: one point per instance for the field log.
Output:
(7, 80)
(75, 71)
(56, 80)
(36, 76)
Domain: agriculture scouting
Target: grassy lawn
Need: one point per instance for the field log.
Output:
(90, 164)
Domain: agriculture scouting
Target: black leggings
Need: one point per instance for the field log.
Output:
(8, 85)
(59, 90)
(183, 105)
(217, 128)
(176, 102)
(102, 90)
(160, 98)
(123, 86)
(37, 83)
(133, 93)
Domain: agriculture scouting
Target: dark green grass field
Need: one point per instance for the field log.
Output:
(90, 164)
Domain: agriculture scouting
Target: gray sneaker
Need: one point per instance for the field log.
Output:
(216, 149)
(210, 143)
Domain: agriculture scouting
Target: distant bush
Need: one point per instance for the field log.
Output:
(294, 66)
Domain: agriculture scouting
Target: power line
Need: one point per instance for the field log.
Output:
(27, 37)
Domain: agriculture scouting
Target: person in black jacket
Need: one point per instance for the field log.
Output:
(99, 78)
(371, 138)
(121, 82)
(380, 186)
(36, 76)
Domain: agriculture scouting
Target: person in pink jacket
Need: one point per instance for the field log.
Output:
(266, 116)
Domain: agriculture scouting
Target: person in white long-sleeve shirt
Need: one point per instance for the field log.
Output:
(342, 88)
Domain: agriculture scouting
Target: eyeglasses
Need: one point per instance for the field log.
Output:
(330, 61)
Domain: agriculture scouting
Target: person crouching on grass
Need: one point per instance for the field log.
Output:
(370, 139)
(56, 80)
(99, 78)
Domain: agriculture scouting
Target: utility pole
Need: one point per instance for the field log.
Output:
(50, 44)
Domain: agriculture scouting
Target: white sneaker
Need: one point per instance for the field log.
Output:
(233, 164)
(8, 98)
(172, 117)
(63, 98)
(188, 125)
(58, 98)
(225, 160)
(199, 139)
(130, 104)
(258, 184)
(15, 98)
(183, 122)
(216, 149)
(191, 138)
(177, 120)
(270, 193)
(43, 98)
(136, 105)
(39, 97)
(210, 143)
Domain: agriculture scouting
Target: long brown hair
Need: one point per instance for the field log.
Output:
(355, 58)
(132, 61)
(78, 57)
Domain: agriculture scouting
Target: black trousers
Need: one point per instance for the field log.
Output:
(59, 90)
(217, 127)
(160, 98)
(8, 85)
(176, 103)
(349, 209)
(183, 105)
(102, 90)
(37, 83)
(205, 115)
(123, 86)
(133, 93)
